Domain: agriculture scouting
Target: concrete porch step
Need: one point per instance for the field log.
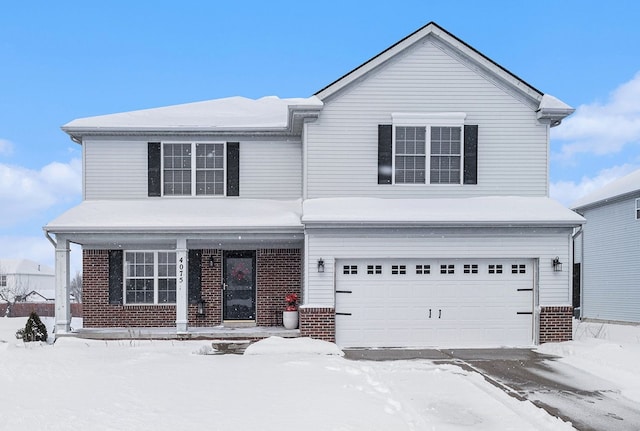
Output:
(196, 333)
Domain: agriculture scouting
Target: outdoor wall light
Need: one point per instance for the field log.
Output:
(212, 262)
(557, 265)
(200, 309)
(320, 265)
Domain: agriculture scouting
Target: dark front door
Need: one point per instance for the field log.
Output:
(239, 294)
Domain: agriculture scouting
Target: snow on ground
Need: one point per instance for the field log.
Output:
(167, 385)
(611, 352)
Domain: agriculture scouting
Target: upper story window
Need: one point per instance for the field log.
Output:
(193, 169)
(3, 280)
(427, 149)
(638, 209)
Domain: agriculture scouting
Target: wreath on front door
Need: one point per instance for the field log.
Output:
(240, 271)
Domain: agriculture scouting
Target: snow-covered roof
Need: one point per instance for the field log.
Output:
(24, 266)
(180, 215)
(487, 211)
(628, 184)
(231, 113)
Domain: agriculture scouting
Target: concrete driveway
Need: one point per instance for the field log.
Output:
(588, 402)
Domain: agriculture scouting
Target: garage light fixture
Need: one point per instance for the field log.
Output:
(212, 262)
(320, 265)
(557, 265)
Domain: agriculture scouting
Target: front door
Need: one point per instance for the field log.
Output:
(239, 290)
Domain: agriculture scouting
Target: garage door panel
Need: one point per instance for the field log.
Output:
(419, 303)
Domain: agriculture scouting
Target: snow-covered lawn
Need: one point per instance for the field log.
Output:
(277, 384)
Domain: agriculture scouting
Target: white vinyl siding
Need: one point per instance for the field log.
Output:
(541, 245)
(342, 143)
(118, 169)
(115, 169)
(611, 263)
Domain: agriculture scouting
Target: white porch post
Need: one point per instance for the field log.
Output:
(182, 290)
(63, 306)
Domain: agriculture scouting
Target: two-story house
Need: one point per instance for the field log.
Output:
(406, 202)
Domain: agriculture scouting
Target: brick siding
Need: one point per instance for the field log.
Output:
(278, 273)
(318, 323)
(556, 324)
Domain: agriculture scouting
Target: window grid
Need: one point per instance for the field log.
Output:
(495, 269)
(446, 152)
(177, 169)
(447, 269)
(150, 277)
(350, 269)
(423, 269)
(3, 280)
(209, 169)
(519, 269)
(471, 268)
(374, 269)
(398, 269)
(410, 156)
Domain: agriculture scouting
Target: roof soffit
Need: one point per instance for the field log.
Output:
(454, 47)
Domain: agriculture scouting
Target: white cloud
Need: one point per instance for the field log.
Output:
(568, 192)
(25, 192)
(602, 128)
(6, 147)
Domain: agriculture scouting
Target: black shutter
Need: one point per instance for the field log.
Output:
(195, 276)
(153, 166)
(385, 153)
(233, 169)
(115, 276)
(470, 154)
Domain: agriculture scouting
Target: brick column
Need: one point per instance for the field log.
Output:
(556, 324)
(318, 322)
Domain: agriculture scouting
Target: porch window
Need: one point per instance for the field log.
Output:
(193, 169)
(150, 277)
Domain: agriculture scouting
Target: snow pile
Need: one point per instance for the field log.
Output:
(292, 346)
(78, 384)
(608, 351)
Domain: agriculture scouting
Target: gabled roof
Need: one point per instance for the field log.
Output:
(619, 189)
(549, 108)
(231, 114)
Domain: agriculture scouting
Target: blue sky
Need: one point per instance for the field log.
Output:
(64, 60)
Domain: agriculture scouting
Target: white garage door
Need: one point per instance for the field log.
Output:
(434, 303)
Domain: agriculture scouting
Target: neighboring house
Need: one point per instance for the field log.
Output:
(608, 251)
(407, 202)
(26, 279)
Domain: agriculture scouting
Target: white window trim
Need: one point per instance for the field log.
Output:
(155, 277)
(427, 120)
(193, 168)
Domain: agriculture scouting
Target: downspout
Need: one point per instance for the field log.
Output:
(51, 240)
(579, 231)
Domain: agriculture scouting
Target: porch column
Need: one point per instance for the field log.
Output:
(182, 291)
(63, 306)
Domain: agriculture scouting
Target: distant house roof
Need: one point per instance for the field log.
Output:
(619, 188)
(24, 266)
(231, 114)
(480, 211)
